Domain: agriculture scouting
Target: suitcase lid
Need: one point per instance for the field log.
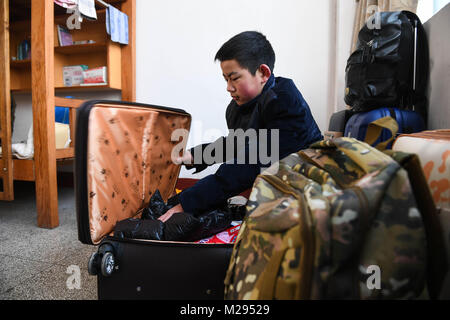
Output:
(439, 134)
(123, 153)
(435, 135)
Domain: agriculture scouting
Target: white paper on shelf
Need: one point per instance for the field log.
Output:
(68, 4)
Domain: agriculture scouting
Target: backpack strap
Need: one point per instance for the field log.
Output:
(270, 275)
(437, 259)
(360, 153)
(375, 128)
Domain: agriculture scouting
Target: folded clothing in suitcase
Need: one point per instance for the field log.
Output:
(407, 121)
(123, 155)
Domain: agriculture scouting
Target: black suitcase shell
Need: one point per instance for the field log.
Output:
(137, 268)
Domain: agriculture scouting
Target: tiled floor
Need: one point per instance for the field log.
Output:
(38, 263)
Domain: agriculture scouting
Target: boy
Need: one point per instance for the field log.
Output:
(259, 101)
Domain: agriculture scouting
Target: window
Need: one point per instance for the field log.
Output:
(427, 8)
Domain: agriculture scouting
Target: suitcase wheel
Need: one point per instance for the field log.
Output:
(107, 265)
(93, 264)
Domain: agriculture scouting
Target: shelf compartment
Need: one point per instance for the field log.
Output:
(107, 87)
(20, 63)
(103, 52)
(81, 48)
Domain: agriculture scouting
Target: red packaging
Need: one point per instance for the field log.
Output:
(227, 236)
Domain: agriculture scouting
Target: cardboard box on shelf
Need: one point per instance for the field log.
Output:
(73, 75)
(95, 76)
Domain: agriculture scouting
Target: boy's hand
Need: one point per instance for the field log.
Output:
(185, 159)
(166, 216)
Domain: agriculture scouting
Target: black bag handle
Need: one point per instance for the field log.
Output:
(418, 96)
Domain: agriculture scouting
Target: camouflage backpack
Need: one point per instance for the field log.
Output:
(337, 221)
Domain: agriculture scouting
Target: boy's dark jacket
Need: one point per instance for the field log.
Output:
(279, 106)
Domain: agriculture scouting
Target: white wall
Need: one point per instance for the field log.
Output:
(425, 10)
(437, 29)
(177, 41)
(345, 18)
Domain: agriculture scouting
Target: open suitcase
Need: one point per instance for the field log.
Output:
(123, 154)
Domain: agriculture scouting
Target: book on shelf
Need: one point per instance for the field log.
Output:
(24, 50)
(64, 36)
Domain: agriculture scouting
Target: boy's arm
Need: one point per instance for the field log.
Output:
(205, 154)
(213, 190)
(198, 152)
(297, 129)
(230, 179)
(196, 163)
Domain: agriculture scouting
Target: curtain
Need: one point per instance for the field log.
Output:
(366, 8)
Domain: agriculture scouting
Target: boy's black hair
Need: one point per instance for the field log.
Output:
(250, 49)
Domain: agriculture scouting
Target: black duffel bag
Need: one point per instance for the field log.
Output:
(390, 65)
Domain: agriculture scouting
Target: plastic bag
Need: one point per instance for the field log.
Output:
(181, 226)
(211, 223)
(140, 229)
(156, 207)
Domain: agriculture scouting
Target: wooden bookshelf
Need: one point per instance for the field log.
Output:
(103, 52)
(42, 75)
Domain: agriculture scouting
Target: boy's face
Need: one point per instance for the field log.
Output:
(241, 84)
